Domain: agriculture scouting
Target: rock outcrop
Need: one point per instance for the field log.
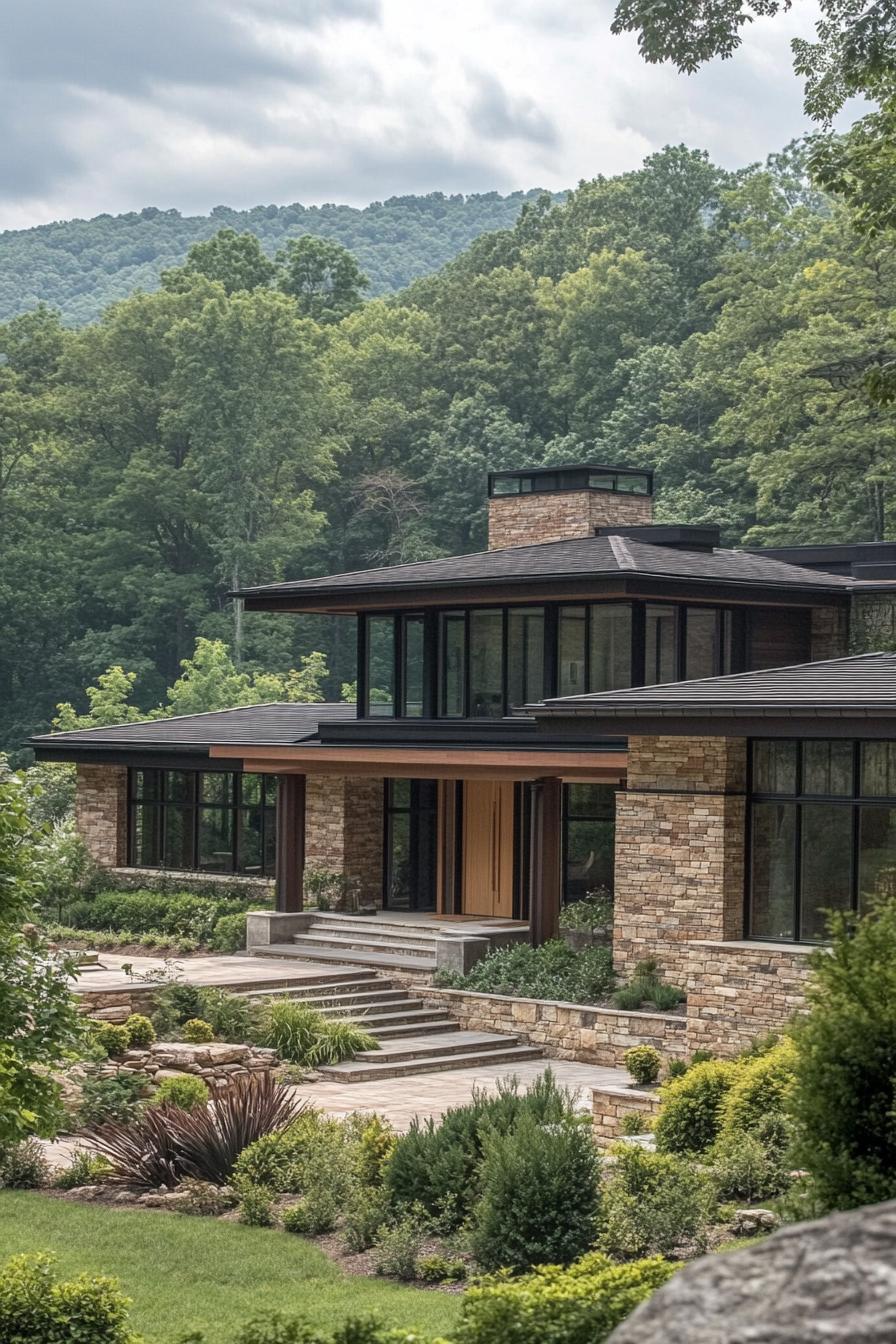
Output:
(832, 1281)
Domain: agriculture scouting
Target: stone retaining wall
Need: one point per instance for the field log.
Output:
(116, 1005)
(610, 1105)
(740, 990)
(564, 1030)
(216, 1063)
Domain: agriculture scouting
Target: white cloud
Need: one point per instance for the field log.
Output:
(107, 107)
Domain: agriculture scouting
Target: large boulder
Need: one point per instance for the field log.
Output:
(832, 1281)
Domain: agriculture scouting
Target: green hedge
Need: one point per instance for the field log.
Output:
(579, 1305)
(553, 971)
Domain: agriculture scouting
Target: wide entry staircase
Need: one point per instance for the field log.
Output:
(413, 1038)
(363, 940)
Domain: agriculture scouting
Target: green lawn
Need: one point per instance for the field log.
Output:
(188, 1273)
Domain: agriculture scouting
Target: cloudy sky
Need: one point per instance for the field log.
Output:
(110, 105)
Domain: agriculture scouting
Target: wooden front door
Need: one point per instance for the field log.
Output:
(488, 848)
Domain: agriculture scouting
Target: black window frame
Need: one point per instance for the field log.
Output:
(194, 806)
(568, 818)
(421, 810)
(856, 802)
(732, 628)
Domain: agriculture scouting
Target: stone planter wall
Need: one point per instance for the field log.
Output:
(740, 990)
(564, 1030)
(216, 1063)
(116, 1005)
(611, 1104)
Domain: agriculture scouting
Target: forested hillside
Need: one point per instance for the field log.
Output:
(81, 265)
(240, 425)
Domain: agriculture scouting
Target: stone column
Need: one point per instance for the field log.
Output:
(344, 830)
(101, 812)
(680, 849)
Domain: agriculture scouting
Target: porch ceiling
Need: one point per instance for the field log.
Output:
(429, 763)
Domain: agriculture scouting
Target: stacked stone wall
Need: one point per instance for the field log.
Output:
(344, 830)
(873, 623)
(564, 1030)
(217, 1063)
(680, 841)
(738, 991)
(611, 1105)
(101, 812)
(527, 520)
(829, 633)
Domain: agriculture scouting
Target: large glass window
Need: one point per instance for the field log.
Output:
(823, 833)
(589, 823)
(525, 655)
(660, 644)
(412, 680)
(411, 844)
(572, 637)
(380, 666)
(207, 821)
(452, 664)
(610, 647)
(486, 664)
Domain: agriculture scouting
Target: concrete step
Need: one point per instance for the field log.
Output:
(436, 1027)
(457, 1043)
(355, 943)
(319, 986)
(379, 926)
(299, 952)
(350, 1002)
(364, 1071)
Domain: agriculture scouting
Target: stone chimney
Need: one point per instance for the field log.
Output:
(561, 503)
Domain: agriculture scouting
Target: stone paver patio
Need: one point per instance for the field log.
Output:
(210, 970)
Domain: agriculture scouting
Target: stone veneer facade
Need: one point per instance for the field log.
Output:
(680, 835)
(101, 812)
(680, 876)
(526, 520)
(344, 830)
(343, 825)
(829, 633)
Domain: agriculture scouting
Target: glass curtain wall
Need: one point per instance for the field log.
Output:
(822, 833)
(410, 877)
(589, 827)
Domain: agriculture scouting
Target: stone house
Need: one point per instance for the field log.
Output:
(596, 701)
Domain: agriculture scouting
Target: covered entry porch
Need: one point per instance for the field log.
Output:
(468, 833)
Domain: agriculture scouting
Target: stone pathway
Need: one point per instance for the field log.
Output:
(399, 1100)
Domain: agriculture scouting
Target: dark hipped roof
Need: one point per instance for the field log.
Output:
(859, 686)
(252, 725)
(604, 556)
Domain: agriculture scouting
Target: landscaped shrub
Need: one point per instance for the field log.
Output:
(164, 1144)
(761, 1088)
(114, 1040)
(439, 1269)
(846, 1063)
(552, 971)
(23, 1166)
(84, 1169)
(691, 1114)
(645, 987)
(140, 1030)
(36, 1308)
(436, 1163)
(231, 1016)
(175, 1004)
(539, 1196)
(633, 1123)
(365, 1212)
(203, 1199)
(744, 1169)
(197, 1031)
(229, 933)
(303, 1036)
(109, 1099)
(643, 1063)
(376, 1140)
(397, 1246)
(184, 1092)
(652, 1203)
(592, 914)
(578, 1305)
(256, 1207)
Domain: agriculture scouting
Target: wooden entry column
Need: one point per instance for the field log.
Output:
(290, 864)
(544, 899)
